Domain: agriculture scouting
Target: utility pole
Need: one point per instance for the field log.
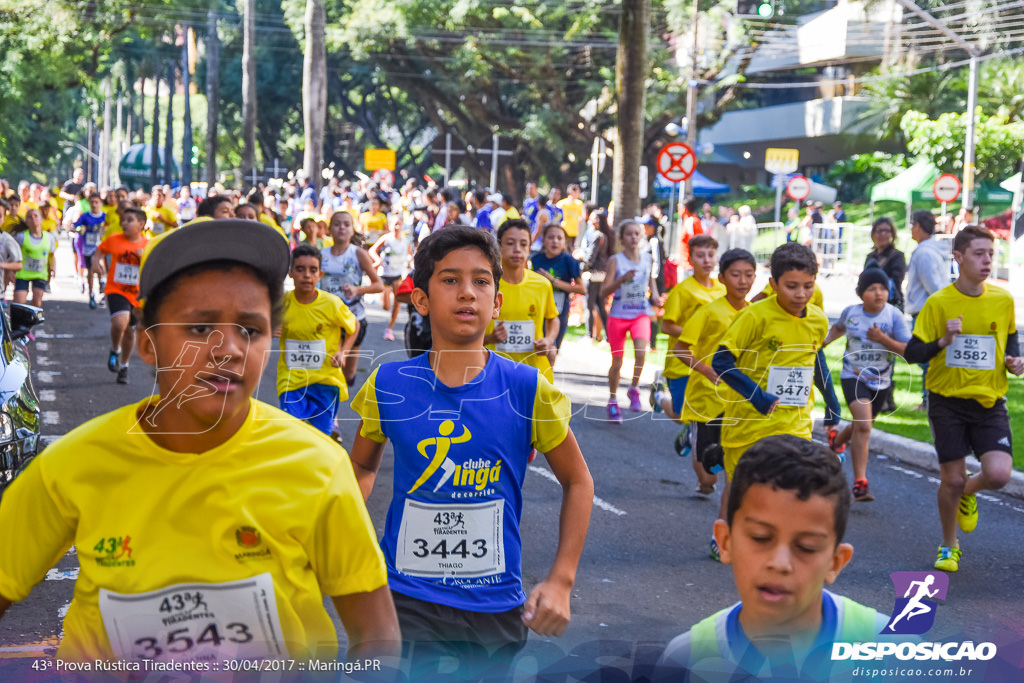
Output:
(691, 100)
(972, 93)
(212, 95)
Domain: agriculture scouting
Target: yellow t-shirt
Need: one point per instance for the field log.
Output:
(817, 299)
(276, 504)
(156, 227)
(973, 366)
(10, 221)
(524, 308)
(310, 334)
(49, 225)
(267, 220)
(776, 350)
(572, 209)
(373, 224)
(703, 332)
(25, 206)
(683, 300)
(113, 221)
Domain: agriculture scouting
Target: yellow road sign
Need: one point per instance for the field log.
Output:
(375, 159)
(781, 160)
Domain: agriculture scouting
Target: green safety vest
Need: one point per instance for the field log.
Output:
(35, 257)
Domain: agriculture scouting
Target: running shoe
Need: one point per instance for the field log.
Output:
(113, 361)
(713, 553)
(122, 375)
(833, 432)
(705, 489)
(92, 302)
(682, 442)
(533, 456)
(657, 391)
(633, 394)
(614, 412)
(967, 514)
(389, 335)
(949, 559)
(862, 492)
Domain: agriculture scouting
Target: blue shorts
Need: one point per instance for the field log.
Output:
(317, 404)
(677, 387)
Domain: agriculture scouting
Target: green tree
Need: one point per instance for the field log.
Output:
(941, 141)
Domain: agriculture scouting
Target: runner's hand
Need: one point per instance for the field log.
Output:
(546, 611)
(338, 359)
(953, 328)
(875, 334)
(1015, 364)
(500, 333)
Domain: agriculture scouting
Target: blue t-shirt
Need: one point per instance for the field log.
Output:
(452, 530)
(864, 359)
(483, 219)
(563, 267)
(93, 235)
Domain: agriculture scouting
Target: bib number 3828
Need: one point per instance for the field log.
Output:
(195, 622)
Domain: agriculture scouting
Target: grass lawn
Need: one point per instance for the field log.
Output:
(907, 379)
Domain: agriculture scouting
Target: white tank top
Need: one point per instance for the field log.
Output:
(340, 271)
(631, 298)
(394, 255)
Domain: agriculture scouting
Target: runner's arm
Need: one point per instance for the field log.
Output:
(366, 455)
(371, 624)
(611, 283)
(684, 353)
(376, 286)
(823, 380)
(724, 363)
(547, 609)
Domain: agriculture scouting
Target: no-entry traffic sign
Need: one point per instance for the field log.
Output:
(946, 188)
(676, 162)
(798, 188)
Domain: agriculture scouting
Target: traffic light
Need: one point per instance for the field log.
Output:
(764, 9)
(195, 155)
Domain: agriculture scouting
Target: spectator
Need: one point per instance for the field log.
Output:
(742, 236)
(886, 256)
(927, 274)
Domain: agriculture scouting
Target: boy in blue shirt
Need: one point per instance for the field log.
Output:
(462, 422)
(783, 532)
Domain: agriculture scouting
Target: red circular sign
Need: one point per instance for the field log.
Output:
(798, 188)
(946, 188)
(676, 162)
(384, 176)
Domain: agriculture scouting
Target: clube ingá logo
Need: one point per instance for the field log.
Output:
(914, 613)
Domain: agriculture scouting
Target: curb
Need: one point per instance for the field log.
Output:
(922, 455)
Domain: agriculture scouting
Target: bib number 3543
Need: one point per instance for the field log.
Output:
(195, 622)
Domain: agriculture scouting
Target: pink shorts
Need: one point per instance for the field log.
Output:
(638, 328)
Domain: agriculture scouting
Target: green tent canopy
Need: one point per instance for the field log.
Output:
(136, 162)
(915, 185)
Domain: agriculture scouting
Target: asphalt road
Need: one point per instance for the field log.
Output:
(645, 575)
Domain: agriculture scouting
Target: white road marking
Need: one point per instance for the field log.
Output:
(42, 346)
(51, 417)
(45, 335)
(987, 497)
(62, 574)
(61, 613)
(47, 395)
(42, 360)
(46, 376)
(603, 504)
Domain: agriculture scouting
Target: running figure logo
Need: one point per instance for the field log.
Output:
(914, 613)
(442, 444)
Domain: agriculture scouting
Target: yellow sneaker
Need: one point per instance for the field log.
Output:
(967, 513)
(949, 559)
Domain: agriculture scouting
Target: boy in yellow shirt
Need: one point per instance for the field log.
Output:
(968, 333)
(772, 356)
(310, 382)
(208, 526)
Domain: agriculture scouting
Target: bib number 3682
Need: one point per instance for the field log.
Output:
(195, 622)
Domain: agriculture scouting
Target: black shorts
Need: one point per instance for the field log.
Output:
(118, 303)
(360, 334)
(962, 425)
(483, 643)
(706, 442)
(22, 285)
(391, 281)
(880, 399)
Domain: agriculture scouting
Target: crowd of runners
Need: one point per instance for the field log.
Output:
(490, 286)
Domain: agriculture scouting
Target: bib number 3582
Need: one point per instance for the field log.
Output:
(972, 352)
(195, 622)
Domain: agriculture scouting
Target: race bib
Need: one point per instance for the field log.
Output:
(972, 352)
(634, 295)
(437, 540)
(304, 355)
(35, 265)
(333, 284)
(126, 274)
(520, 337)
(791, 384)
(157, 228)
(92, 239)
(195, 622)
(865, 355)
